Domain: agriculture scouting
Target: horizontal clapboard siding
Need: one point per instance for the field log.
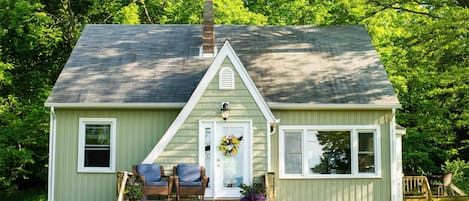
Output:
(243, 107)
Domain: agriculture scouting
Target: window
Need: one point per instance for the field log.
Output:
(96, 149)
(293, 155)
(329, 151)
(366, 154)
(208, 152)
(226, 78)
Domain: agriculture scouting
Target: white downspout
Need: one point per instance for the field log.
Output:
(270, 132)
(51, 176)
(269, 149)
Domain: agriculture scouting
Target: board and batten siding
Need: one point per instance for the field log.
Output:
(183, 148)
(137, 131)
(361, 189)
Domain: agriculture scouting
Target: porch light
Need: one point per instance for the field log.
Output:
(225, 110)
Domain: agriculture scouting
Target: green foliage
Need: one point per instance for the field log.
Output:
(234, 12)
(424, 50)
(30, 58)
(134, 189)
(173, 12)
(127, 15)
(32, 194)
(254, 192)
(460, 170)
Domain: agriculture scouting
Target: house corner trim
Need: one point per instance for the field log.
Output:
(51, 169)
(396, 161)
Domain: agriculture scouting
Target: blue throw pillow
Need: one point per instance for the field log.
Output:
(150, 171)
(188, 172)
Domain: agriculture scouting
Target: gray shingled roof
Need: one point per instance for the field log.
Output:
(161, 63)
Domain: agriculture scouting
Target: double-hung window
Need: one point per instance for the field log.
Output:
(329, 151)
(96, 146)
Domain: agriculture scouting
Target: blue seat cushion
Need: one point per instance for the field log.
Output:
(190, 183)
(188, 172)
(156, 183)
(151, 172)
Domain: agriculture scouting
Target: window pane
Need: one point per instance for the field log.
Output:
(98, 134)
(366, 156)
(293, 156)
(314, 150)
(208, 153)
(233, 167)
(329, 152)
(366, 163)
(365, 141)
(96, 157)
(97, 147)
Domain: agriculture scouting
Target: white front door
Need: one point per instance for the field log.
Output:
(227, 170)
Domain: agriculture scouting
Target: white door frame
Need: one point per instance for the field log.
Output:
(213, 126)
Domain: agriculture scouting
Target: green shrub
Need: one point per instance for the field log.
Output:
(460, 170)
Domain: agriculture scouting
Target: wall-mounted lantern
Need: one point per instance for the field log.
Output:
(225, 110)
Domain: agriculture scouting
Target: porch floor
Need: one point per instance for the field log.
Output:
(190, 199)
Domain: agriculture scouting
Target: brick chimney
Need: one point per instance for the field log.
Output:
(208, 36)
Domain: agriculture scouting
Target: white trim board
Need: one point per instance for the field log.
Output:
(174, 105)
(272, 105)
(324, 106)
(51, 170)
(225, 51)
(396, 154)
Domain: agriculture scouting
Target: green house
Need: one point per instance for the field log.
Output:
(313, 107)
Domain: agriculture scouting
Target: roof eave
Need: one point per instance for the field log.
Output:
(178, 105)
(328, 106)
(162, 105)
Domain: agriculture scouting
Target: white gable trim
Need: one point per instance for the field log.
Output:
(243, 73)
(226, 51)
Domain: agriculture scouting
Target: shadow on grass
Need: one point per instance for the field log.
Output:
(25, 195)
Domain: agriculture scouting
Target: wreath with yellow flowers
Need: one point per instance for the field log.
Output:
(229, 145)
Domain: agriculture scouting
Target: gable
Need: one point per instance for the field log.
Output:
(208, 88)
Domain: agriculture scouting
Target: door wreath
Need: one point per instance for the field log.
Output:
(229, 145)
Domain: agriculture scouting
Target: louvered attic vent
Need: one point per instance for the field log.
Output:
(226, 78)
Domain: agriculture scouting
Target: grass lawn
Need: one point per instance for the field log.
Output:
(25, 195)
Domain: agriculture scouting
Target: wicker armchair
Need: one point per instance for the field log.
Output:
(190, 179)
(154, 180)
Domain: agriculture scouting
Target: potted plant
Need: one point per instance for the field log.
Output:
(134, 190)
(254, 192)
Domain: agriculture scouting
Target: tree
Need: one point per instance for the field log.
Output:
(29, 59)
(424, 50)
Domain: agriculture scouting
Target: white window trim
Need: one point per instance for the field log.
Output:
(232, 83)
(81, 145)
(354, 151)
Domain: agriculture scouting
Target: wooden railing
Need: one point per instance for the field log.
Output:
(450, 190)
(122, 177)
(416, 186)
(270, 185)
